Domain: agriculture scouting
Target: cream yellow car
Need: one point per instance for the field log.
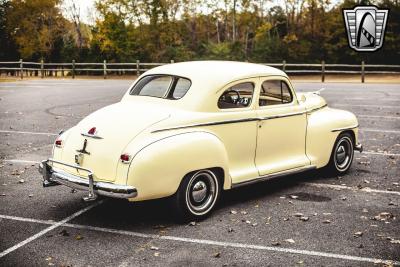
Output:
(191, 130)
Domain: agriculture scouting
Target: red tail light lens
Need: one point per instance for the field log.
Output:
(125, 158)
(58, 143)
(92, 131)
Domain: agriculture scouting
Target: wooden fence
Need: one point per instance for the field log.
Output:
(42, 69)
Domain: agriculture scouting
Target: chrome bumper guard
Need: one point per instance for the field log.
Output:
(52, 176)
(359, 147)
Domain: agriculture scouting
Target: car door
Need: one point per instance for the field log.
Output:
(281, 131)
(238, 127)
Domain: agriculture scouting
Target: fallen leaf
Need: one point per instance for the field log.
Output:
(233, 212)
(153, 248)
(294, 197)
(276, 243)
(298, 214)
(78, 237)
(156, 254)
(230, 230)
(291, 241)
(217, 255)
(326, 221)
(243, 212)
(64, 233)
(395, 241)
(304, 218)
(192, 224)
(358, 234)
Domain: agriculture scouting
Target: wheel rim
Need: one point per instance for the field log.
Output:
(343, 153)
(201, 192)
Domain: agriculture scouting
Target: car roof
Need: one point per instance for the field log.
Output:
(208, 77)
(221, 71)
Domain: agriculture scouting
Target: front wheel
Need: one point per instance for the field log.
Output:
(197, 195)
(342, 154)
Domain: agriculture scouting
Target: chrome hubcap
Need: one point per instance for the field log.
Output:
(199, 191)
(344, 153)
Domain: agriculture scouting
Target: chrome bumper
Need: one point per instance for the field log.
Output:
(359, 147)
(52, 176)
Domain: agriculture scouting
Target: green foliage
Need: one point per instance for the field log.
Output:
(161, 30)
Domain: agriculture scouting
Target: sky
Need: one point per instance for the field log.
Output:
(86, 8)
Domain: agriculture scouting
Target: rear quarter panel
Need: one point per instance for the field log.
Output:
(158, 168)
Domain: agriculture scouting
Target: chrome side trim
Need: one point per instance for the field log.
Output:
(282, 116)
(344, 128)
(92, 136)
(205, 124)
(275, 175)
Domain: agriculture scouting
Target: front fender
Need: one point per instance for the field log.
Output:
(323, 127)
(158, 168)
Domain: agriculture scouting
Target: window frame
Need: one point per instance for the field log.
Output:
(228, 86)
(280, 79)
(173, 82)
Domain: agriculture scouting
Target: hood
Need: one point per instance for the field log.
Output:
(116, 125)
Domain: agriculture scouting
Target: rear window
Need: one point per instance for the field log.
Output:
(162, 86)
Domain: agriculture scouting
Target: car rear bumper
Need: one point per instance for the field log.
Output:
(53, 176)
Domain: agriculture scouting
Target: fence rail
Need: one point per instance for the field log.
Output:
(43, 69)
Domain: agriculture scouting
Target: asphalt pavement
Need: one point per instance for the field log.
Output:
(312, 219)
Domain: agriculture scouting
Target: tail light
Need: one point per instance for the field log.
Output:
(92, 131)
(58, 143)
(125, 158)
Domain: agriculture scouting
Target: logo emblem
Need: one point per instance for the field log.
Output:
(83, 150)
(365, 27)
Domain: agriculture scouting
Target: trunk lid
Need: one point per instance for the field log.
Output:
(116, 125)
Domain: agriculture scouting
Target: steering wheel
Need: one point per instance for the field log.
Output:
(236, 92)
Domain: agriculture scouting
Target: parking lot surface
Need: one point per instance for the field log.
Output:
(312, 219)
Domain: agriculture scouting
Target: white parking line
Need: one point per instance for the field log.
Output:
(21, 161)
(209, 242)
(48, 229)
(340, 187)
(378, 130)
(23, 132)
(380, 154)
(360, 105)
(379, 117)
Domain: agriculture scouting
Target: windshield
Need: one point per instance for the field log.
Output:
(161, 86)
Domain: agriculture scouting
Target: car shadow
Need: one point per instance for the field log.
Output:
(153, 213)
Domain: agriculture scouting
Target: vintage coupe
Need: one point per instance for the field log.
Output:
(190, 130)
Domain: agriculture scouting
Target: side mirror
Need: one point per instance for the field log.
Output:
(302, 99)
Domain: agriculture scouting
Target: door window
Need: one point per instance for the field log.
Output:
(237, 96)
(274, 92)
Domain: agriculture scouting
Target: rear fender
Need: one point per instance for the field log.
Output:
(158, 168)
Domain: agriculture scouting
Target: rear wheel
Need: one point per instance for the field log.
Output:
(197, 195)
(342, 154)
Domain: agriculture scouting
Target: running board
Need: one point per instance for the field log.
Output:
(275, 175)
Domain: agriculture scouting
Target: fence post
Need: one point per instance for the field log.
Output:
(137, 67)
(73, 69)
(172, 61)
(323, 71)
(41, 68)
(21, 68)
(362, 71)
(284, 65)
(62, 70)
(105, 69)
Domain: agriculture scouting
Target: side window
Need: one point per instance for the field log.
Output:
(274, 92)
(237, 96)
